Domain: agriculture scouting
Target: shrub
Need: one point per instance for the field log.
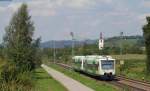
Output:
(14, 80)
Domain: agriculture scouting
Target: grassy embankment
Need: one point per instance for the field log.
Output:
(43, 81)
(47, 83)
(130, 57)
(1, 64)
(134, 66)
(96, 85)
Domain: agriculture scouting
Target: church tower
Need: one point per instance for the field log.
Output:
(101, 42)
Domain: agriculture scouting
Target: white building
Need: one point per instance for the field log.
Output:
(101, 42)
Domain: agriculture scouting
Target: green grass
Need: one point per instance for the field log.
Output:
(1, 64)
(130, 57)
(47, 83)
(134, 69)
(96, 85)
(43, 81)
(117, 42)
(134, 66)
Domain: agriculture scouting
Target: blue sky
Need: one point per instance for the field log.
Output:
(55, 19)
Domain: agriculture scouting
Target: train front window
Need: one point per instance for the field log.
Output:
(107, 64)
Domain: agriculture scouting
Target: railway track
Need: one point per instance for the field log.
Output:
(126, 84)
(132, 83)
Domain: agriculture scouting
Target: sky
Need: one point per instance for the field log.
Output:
(55, 19)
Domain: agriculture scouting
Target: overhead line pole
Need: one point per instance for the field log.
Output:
(121, 36)
(54, 52)
(72, 35)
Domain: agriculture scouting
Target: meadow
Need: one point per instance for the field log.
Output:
(134, 66)
(45, 82)
(130, 57)
(42, 80)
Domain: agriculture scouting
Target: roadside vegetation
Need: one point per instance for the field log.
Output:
(135, 69)
(20, 53)
(138, 66)
(146, 33)
(130, 57)
(20, 58)
(45, 82)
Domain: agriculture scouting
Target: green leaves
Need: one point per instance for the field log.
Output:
(20, 48)
(146, 33)
(21, 52)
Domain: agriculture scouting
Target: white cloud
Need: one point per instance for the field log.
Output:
(146, 4)
(142, 17)
(13, 6)
(106, 1)
(48, 7)
(10, 7)
(63, 3)
(37, 8)
(2, 9)
(41, 8)
(79, 3)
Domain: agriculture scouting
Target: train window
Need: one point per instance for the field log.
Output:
(107, 64)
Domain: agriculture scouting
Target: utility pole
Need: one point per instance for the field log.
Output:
(72, 35)
(121, 61)
(121, 37)
(54, 51)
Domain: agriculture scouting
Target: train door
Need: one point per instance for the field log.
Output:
(82, 64)
(99, 67)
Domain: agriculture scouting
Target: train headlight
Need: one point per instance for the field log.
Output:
(110, 73)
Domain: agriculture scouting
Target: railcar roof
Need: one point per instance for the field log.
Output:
(92, 57)
(99, 57)
(78, 57)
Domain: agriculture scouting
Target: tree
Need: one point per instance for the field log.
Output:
(1, 51)
(21, 48)
(146, 33)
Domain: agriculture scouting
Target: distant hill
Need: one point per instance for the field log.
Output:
(65, 43)
(130, 40)
(113, 41)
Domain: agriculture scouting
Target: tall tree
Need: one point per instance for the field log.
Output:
(1, 51)
(20, 46)
(146, 33)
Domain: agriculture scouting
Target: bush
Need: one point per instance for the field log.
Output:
(9, 72)
(14, 80)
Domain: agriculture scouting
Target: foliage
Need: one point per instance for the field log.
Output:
(21, 52)
(146, 33)
(1, 51)
(20, 48)
(14, 80)
(130, 57)
(9, 72)
(133, 68)
(36, 53)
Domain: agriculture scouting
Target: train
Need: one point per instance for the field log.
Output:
(95, 65)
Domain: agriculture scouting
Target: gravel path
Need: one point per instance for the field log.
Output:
(69, 83)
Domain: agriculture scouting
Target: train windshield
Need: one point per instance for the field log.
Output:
(107, 64)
